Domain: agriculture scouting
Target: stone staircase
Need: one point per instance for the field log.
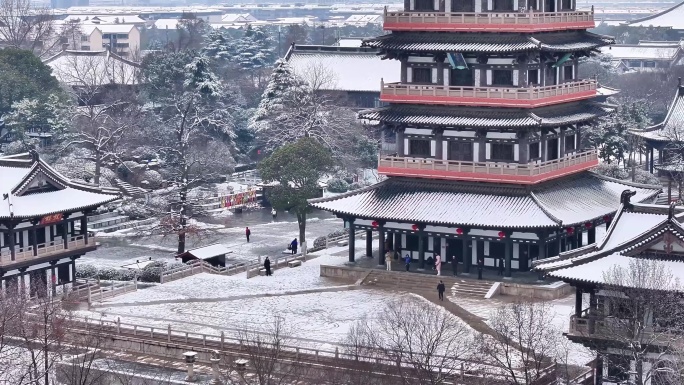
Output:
(413, 282)
(129, 190)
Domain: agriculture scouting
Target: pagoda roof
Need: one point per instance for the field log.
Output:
(488, 42)
(672, 128)
(472, 117)
(564, 202)
(34, 189)
(635, 229)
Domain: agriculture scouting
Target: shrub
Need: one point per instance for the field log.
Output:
(86, 271)
(319, 242)
(358, 185)
(153, 178)
(153, 271)
(619, 172)
(338, 185)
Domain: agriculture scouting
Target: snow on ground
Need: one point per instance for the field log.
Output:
(207, 285)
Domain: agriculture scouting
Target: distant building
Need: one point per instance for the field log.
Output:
(354, 72)
(646, 56)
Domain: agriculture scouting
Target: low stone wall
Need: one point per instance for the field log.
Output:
(348, 273)
(545, 292)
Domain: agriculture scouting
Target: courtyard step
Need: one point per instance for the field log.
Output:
(129, 190)
(412, 282)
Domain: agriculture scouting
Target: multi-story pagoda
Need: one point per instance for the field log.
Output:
(488, 166)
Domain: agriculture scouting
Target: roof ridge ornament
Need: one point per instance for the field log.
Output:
(625, 198)
(35, 157)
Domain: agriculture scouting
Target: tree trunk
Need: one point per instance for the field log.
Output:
(182, 221)
(301, 220)
(98, 165)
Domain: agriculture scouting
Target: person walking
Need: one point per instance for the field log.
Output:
(407, 261)
(388, 260)
(438, 264)
(248, 232)
(440, 290)
(267, 266)
(274, 213)
(293, 246)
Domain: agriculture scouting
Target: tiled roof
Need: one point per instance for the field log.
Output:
(483, 42)
(486, 117)
(19, 172)
(672, 128)
(485, 205)
(669, 18)
(643, 52)
(349, 68)
(634, 228)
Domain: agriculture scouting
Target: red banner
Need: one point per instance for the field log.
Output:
(49, 219)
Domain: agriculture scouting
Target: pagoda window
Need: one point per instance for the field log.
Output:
(462, 5)
(419, 148)
(568, 73)
(502, 5)
(549, 5)
(462, 78)
(461, 151)
(502, 77)
(533, 77)
(566, 4)
(424, 5)
(421, 75)
(570, 143)
(534, 151)
(502, 152)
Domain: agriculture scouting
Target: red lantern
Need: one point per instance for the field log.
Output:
(501, 234)
(414, 227)
(587, 225)
(606, 218)
(374, 224)
(570, 230)
(459, 231)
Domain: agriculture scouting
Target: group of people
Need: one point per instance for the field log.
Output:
(389, 255)
(267, 262)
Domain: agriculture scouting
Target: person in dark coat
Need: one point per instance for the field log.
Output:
(407, 262)
(440, 290)
(293, 246)
(267, 266)
(248, 232)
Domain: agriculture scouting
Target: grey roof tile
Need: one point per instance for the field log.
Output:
(570, 200)
(672, 128)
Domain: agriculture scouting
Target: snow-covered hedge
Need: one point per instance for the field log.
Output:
(153, 178)
(338, 185)
(151, 272)
(320, 241)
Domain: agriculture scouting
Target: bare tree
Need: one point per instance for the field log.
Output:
(524, 342)
(428, 344)
(107, 110)
(644, 323)
(26, 27)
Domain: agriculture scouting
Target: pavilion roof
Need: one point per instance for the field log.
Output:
(472, 117)
(488, 42)
(568, 201)
(635, 228)
(20, 174)
(672, 128)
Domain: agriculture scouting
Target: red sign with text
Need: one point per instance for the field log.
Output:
(49, 219)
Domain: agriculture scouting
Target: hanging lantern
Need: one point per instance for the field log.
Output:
(501, 234)
(606, 218)
(459, 231)
(570, 230)
(374, 224)
(414, 227)
(587, 225)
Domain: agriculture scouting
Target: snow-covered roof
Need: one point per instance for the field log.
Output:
(166, 23)
(106, 19)
(237, 18)
(210, 251)
(669, 18)
(350, 42)
(349, 68)
(672, 128)
(638, 230)
(665, 51)
(34, 189)
(89, 27)
(93, 68)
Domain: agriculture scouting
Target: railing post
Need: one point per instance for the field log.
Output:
(168, 333)
(223, 337)
(186, 337)
(135, 330)
(118, 325)
(204, 340)
(151, 332)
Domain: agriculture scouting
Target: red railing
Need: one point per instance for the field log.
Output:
(519, 97)
(487, 21)
(487, 171)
